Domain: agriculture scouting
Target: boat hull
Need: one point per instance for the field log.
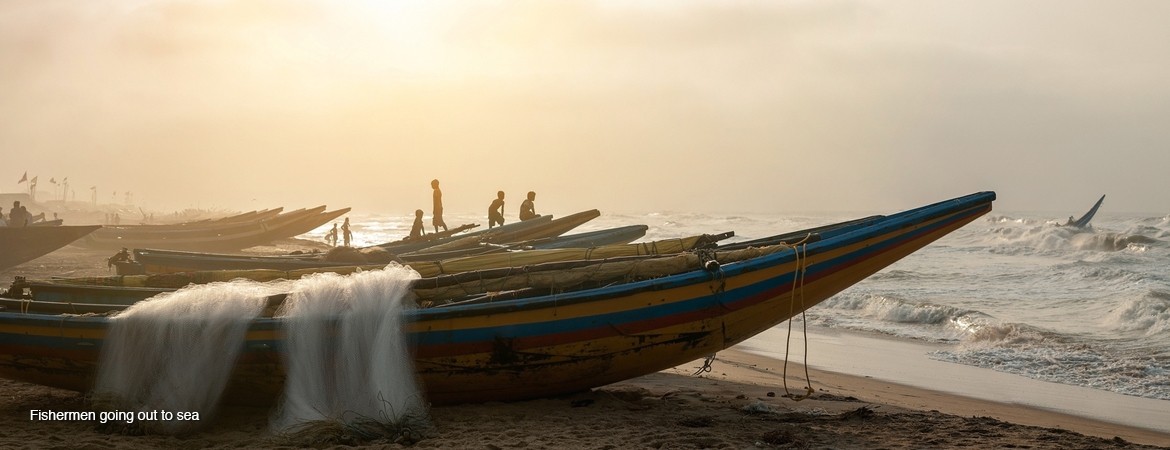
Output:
(550, 345)
(19, 245)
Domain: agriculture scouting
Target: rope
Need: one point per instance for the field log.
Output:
(706, 365)
(800, 249)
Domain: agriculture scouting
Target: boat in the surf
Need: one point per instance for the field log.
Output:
(19, 245)
(571, 329)
(1083, 221)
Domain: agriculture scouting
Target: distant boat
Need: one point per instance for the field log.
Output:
(1083, 222)
(22, 244)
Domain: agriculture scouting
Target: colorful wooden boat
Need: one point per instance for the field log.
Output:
(19, 245)
(550, 344)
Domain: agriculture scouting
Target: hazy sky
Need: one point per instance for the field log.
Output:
(718, 106)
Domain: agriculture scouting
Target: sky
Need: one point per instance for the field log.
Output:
(634, 106)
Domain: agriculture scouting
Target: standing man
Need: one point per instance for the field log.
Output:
(346, 234)
(496, 210)
(527, 208)
(437, 219)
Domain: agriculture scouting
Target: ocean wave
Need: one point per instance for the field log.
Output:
(1015, 240)
(893, 316)
(1129, 373)
(993, 334)
(1108, 241)
(1148, 314)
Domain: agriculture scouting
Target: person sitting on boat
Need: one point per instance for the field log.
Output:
(18, 216)
(437, 212)
(122, 256)
(345, 233)
(418, 230)
(1070, 221)
(496, 210)
(527, 208)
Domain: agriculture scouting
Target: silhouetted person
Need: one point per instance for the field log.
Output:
(496, 210)
(331, 236)
(16, 217)
(345, 233)
(418, 229)
(3, 221)
(120, 257)
(527, 208)
(437, 219)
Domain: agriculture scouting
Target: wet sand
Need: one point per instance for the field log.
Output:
(740, 403)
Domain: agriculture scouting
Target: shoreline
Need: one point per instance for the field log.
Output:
(763, 369)
(906, 362)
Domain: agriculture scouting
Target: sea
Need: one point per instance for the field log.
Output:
(1010, 293)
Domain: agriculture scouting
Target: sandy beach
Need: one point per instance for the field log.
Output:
(740, 403)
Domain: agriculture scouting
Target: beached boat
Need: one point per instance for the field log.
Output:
(563, 340)
(125, 290)
(151, 261)
(22, 244)
(220, 236)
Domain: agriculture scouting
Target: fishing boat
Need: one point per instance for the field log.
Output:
(124, 290)
(19, 245)
(1083, 221)
(229, 236)
(152, 261)
(556, 340)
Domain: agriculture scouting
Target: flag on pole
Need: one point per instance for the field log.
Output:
(53, 180)
(24, 178)
(33, 181)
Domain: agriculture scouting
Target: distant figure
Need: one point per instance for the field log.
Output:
(437, 219)
(117, 219)
(496, 210)
(16, 217)
(120, 257)
(345, 233)
(418, 229)
(331, 236)
(3, 223)
(1070, 221)
(527, 209)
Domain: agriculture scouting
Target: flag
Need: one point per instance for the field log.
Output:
(93, 188)
(33, 181)
(53, 180)
(23, 179)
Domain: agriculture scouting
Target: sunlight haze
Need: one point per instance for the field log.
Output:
(642, 106)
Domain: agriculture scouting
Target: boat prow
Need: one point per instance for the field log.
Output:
(1083, 222)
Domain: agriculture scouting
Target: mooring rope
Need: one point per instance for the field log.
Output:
(800, 249)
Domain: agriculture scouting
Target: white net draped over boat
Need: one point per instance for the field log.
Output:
(345, 352)
(174, 352)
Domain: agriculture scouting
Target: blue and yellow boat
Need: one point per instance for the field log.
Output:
(556, 343)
